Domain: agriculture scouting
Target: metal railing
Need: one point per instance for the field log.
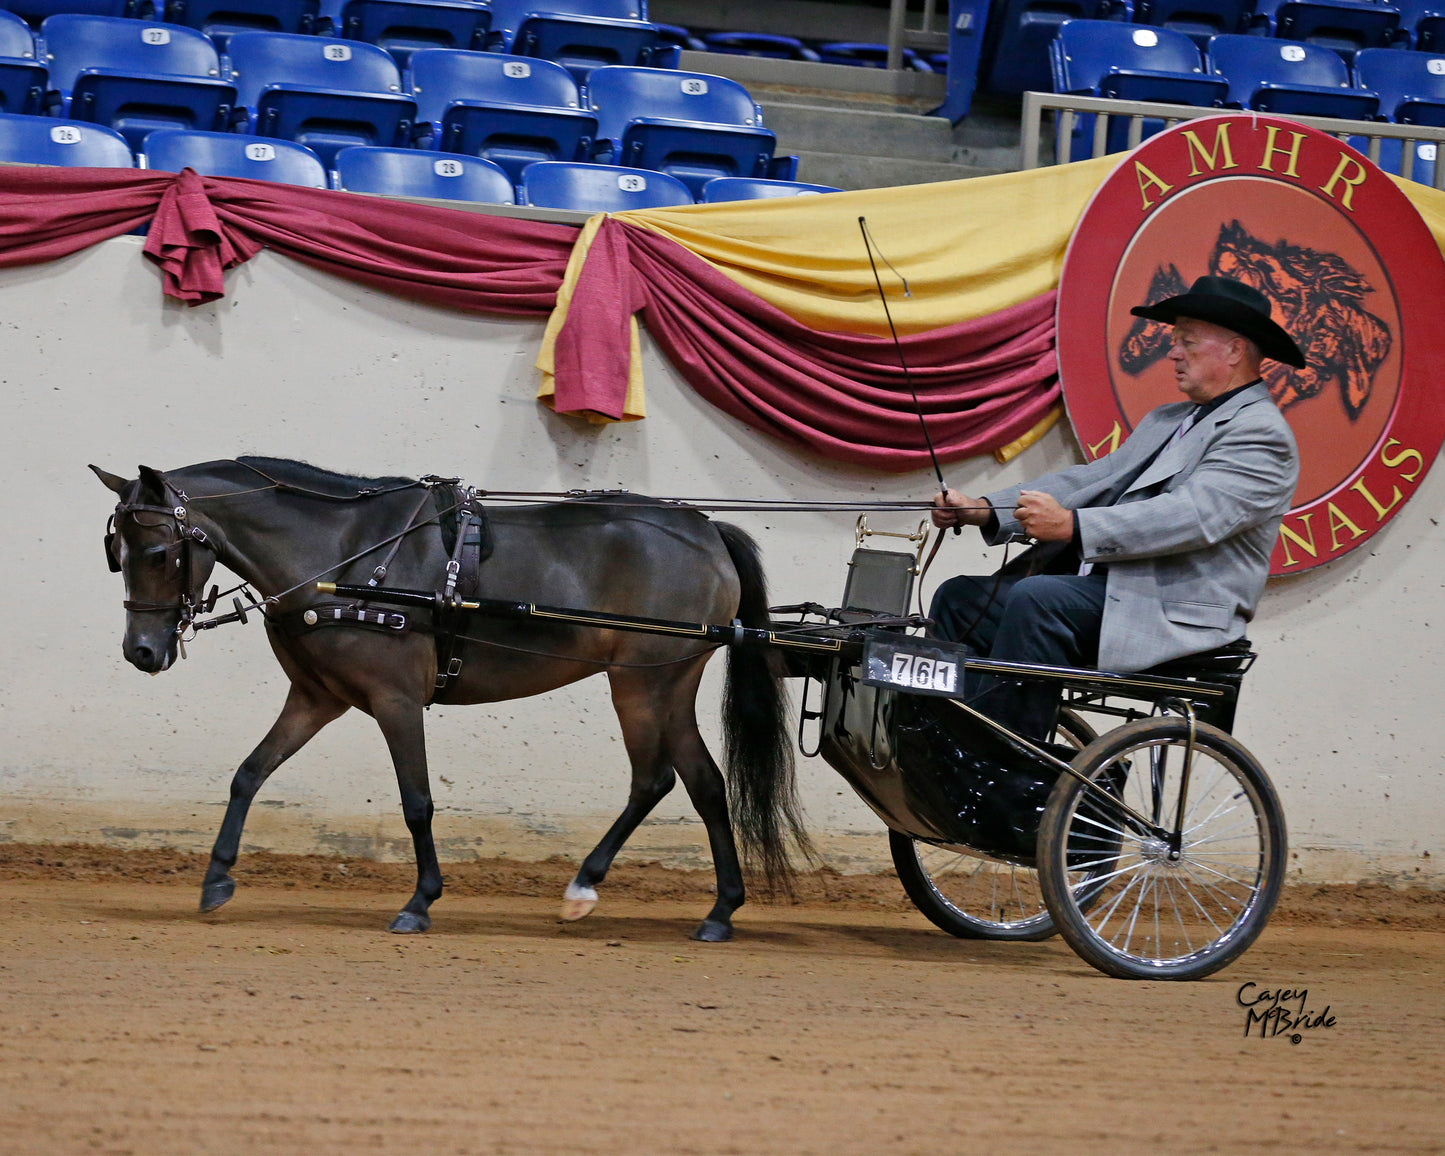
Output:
(1067, 109)
(900, 36)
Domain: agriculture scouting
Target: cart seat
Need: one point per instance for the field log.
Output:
(1233, 658)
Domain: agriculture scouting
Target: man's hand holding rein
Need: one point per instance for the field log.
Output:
(951, 508)
(1042, 518)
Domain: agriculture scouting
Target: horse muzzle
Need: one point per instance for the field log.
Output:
(151, 649)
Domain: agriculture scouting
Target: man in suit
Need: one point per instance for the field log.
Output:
(1156, 551)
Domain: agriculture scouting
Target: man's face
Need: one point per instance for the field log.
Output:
(1205, 357)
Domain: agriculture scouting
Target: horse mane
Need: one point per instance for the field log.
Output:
(304, 475)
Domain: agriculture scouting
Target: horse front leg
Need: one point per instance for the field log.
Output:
(305, 713)
(401, 722)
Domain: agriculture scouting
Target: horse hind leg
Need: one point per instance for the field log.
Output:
(652, 779)
(659, 723)
(306, 711)
(705, 787)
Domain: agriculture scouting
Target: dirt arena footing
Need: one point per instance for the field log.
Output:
(839, 1023)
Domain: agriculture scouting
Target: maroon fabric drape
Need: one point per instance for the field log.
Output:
(980, 384)
(205, 225)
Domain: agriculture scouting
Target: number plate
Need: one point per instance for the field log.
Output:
(920, 666)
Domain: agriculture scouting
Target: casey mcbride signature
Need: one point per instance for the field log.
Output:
(1280, 1012)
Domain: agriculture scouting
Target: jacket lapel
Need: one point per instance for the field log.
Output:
(1187, 451)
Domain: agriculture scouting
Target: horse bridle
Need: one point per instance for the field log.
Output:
(179, 555)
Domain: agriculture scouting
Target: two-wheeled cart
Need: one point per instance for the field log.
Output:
(1157, 848)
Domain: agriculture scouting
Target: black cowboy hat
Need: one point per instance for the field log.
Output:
(1233, 305)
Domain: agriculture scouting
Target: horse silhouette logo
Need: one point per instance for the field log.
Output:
(1320, 299)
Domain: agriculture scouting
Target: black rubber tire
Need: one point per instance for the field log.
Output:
(1224, 884)
(927, 884)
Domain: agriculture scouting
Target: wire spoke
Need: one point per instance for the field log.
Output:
(1141, 880)
(1233, 913)
(1179, 917)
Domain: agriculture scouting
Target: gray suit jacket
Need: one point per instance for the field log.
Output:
(1188, 541)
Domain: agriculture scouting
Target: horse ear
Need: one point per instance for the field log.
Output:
(152, 482)
(109, 480)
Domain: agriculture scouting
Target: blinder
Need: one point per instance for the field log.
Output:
(110, 559)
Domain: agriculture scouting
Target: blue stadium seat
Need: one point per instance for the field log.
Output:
(679, 37)
(1019, 32)
(510, 110)
(36, 12)
(1411, 85)
(758, 189)
(688, 124)
(1131, 62)
(1343, 25)
(599, 188)
(134, 75)
(1197, 19)
(1422, 25)
(229, 154)
(1108, 58)
(1288, 77)
(414, 173)
(758, 44)
(22, 76)
(325, 94)
(579, 34)
(43, 140)
(219, 18)
(404, 26)
(862, 55)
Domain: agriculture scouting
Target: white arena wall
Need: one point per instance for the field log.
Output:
(98, 367)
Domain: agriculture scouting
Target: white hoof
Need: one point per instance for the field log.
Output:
(577, 902)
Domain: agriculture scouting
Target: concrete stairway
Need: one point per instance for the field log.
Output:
(858, 128)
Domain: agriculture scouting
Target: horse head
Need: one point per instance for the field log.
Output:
(165, 560)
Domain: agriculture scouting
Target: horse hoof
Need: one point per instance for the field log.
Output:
(575, 909)
(713, 931)
(577, 902)
(409, 923)
(217, 894)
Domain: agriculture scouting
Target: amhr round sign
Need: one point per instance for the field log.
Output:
(1352, 272)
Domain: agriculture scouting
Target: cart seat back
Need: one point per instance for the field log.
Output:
(880, 584)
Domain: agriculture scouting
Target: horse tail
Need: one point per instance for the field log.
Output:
(757, 736)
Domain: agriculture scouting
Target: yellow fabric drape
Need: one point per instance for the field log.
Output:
(968, 248)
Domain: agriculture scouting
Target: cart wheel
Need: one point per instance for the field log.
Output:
(973, 897)
(1123, 898)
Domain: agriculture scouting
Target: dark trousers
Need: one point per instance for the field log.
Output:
(1051, 619)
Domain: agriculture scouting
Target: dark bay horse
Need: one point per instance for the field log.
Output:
(280, 525)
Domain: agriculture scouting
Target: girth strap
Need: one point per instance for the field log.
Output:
(471, 545)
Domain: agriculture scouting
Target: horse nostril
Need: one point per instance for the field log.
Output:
(144, 655)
